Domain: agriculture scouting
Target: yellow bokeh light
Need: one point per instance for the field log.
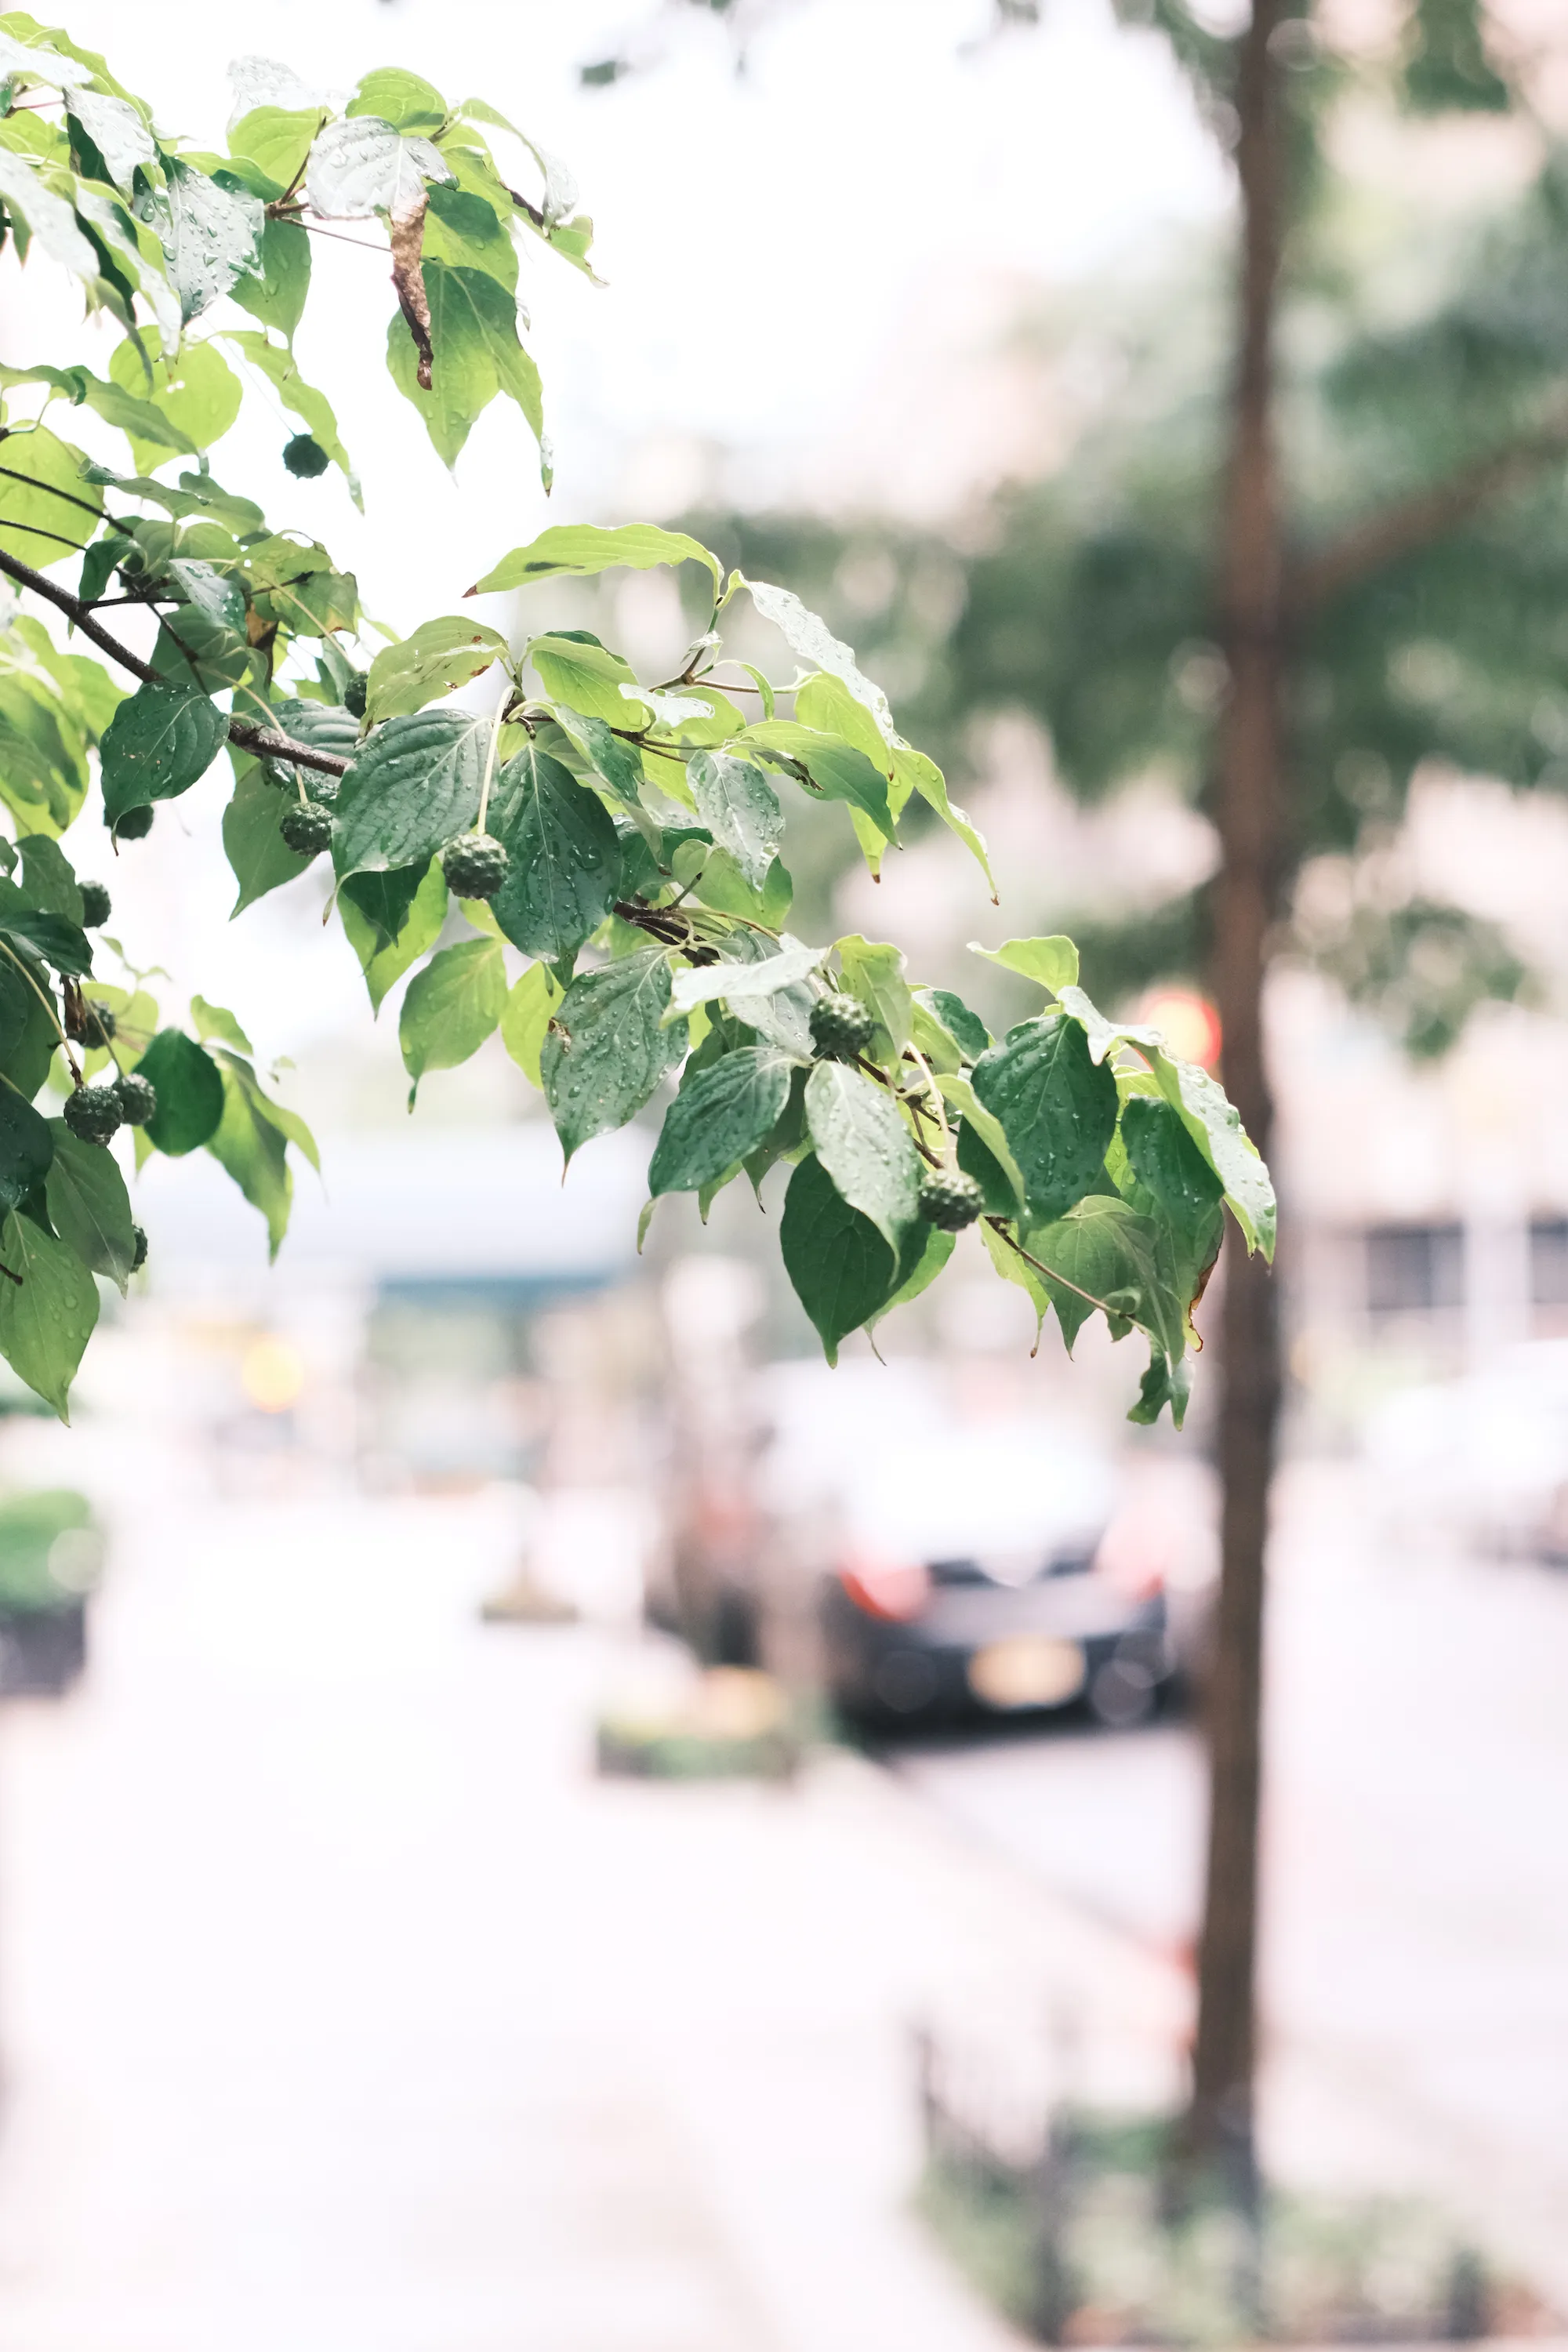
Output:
(272, 1374)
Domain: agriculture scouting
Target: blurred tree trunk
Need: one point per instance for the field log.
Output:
(1247, 796)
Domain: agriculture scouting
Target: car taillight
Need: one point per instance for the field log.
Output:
(1134, 1555)
(886, 1589)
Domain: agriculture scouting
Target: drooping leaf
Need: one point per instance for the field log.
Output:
(27, 1147)
(1200, 1102)
(719, 1116)
(841, 1268)
(451, 1007)
(276, 291)
(251, 1147)
(913, 772)
(935, 1248)
(739, 808)
(984, 1150)
(606, 1047)
(837, 769)
(563, 855)
(1103, 1253)
(1052, 962)
(88, 1205)
(116, 130)
(161, 740)
(46, 214)
(1057, 1106)
(531, 1005)
(414, 785)
(391, 920)
(47, 1313)
(261, 858)
(216, 1021)
(210, 232)
(577, 551)
(476, 353)
(189, 1090)
(60, 942)
(438, 657)
(864, 1144)
(1165, 1160)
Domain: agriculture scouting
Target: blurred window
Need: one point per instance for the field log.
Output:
(1412, 1269)
(1548, 1262)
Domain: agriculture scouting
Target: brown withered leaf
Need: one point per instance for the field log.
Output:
(408, 276)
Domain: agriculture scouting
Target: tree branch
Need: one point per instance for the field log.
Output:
(264, 741)
(1412, 523)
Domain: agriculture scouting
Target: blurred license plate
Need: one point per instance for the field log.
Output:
(1027, 1671)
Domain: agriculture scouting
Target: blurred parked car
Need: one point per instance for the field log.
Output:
(990, 1572)
(51, 1555)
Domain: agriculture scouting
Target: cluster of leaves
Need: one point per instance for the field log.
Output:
(621, 838)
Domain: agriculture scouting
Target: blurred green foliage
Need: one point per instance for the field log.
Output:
(1423, 365)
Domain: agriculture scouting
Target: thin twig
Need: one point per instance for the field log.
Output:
(999, 1225)
(264, 741)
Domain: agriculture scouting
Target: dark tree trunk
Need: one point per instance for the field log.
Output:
(1247, 808)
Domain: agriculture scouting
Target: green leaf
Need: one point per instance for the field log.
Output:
(1053, 963)
(43, 767)
(46, 1316)
(936, 1248)
(438, 657)
(994, 1161)
(807, 634)
(841, 1268)
(863, 1143)
(837, 771)
(530, 1006)
(28, 1035)
(26, 1146)
(563, 852)
(59, 943)
(252, 1148)
(160, 741)
(413, 786)
(210, 233)
(361, 165)
(1200, 1102)
(719, 1116)
(606, 1048)
(46, 214)
(1166, 1162)
(473, 332)
(462, 229)
(588, 677)
(189, 1089)
(196, 391)
(1057, 1106)
(876, 975)
(47, 879)
(1016, 1269)
(215, 1021)
(47, 509)
(1103, 1253)
(451, 1007)
(577, 551)
(390, 923)
(946, 1031)
(88, 1205)
(261, 858)
(275, 292)
(1164, 1383)
(277, 139)
(912, 772)
(739, 808)
(402, 99)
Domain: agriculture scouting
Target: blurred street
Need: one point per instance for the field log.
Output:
(1415, 1876)
(344, 2007)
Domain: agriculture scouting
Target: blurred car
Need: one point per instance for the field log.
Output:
(997, 1569)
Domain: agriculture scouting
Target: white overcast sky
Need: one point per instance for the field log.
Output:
(766, 240)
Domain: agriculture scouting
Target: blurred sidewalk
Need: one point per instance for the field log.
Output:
(343, 2009)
